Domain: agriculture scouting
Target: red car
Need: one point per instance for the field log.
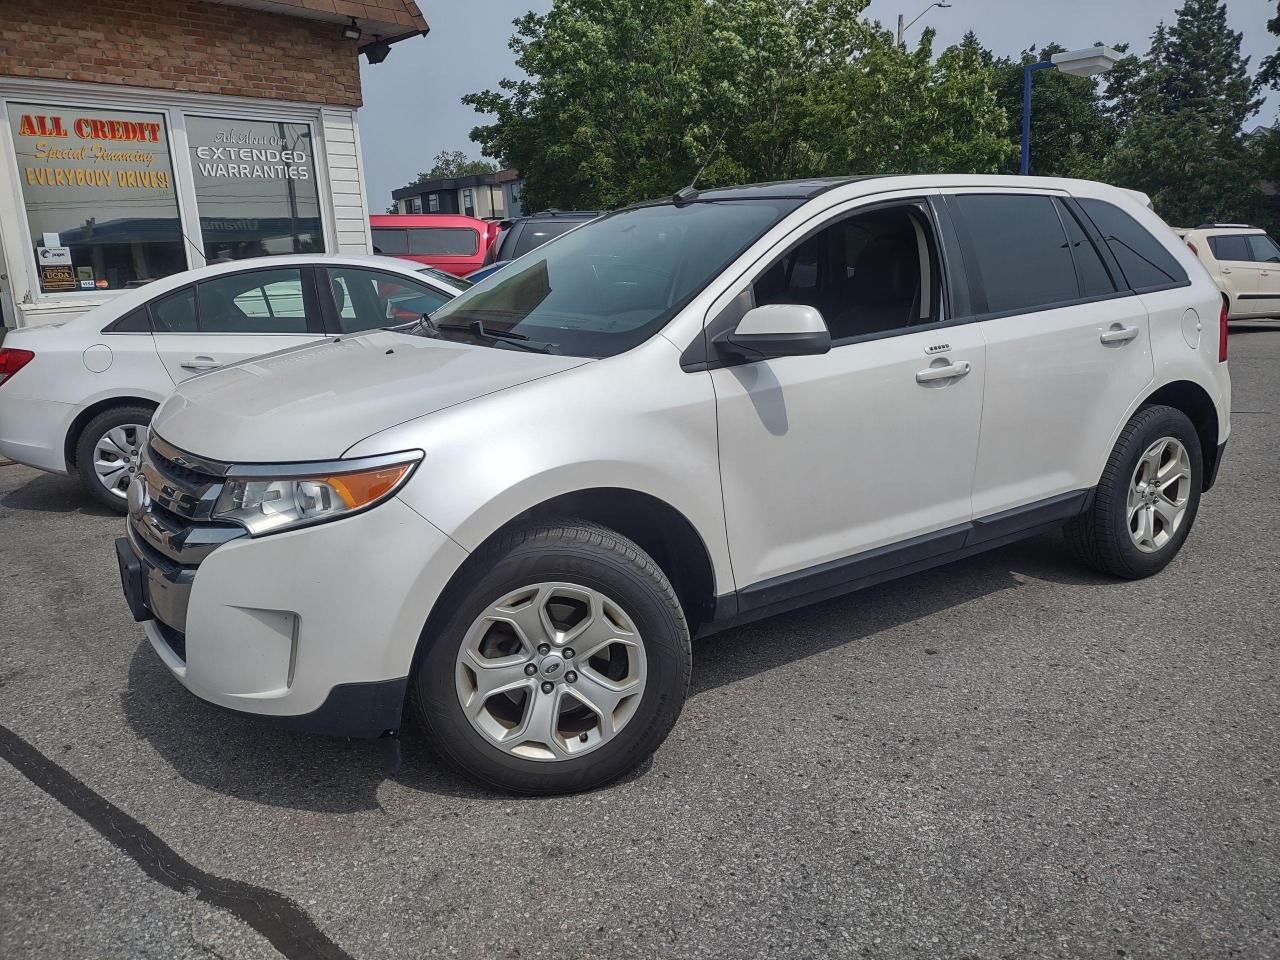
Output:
(447, 241)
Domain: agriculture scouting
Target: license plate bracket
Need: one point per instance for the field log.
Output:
(133, 581)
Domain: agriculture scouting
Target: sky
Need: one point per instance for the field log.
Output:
(412, 100)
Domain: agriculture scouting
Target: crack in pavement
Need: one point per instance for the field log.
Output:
(284, 924)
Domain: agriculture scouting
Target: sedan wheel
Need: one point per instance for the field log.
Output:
(116, 455)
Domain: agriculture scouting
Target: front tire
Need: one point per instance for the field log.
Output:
(108, 450)
(564, 664)
(1147, 499)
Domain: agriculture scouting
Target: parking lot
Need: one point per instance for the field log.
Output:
(1005, 757)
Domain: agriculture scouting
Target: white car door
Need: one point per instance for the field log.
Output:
(1266, 259)
(1068, 349)
(235, 316)
(1239, 272)
(837, 466)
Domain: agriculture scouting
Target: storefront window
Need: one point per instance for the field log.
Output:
(256, 190)
(100, 198)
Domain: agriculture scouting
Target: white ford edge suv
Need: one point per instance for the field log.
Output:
(512, 518)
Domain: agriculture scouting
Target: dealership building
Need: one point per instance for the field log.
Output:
(139, 138)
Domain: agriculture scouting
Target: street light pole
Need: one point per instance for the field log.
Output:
(1076, 63)
(903, 28)
(1027, 71)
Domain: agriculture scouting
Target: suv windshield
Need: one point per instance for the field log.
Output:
(611, 284)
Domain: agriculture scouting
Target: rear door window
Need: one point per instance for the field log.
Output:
(1229, 248)
(175, 313)
(1146, 264)
(1095, 279)
(443, 241)
(1263, 248)
(1020, 250)
(260, 301)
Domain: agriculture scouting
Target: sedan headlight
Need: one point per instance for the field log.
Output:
(271, 499)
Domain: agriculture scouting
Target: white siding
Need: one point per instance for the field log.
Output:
(346, 180)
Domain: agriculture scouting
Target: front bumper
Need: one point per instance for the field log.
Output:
(316, 627)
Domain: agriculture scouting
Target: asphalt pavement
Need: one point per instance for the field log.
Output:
(1006, 757)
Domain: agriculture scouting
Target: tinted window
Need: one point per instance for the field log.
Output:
(390, 241)
(135, 322)
(262, 301)
(1020, 249)
(175, 313)
(368, 299)
(865, 274)
(1095, 280)
(1229, 248)
(1145, 262)
(535, 235)
(1263, 248)
(614, 282)
(443, 241)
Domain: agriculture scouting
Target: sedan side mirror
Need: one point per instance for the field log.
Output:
(777, 330)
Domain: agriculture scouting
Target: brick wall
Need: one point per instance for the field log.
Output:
(180, 45)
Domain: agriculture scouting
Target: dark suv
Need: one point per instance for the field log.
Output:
(523, 234)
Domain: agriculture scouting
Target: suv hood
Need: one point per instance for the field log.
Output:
(315, 402)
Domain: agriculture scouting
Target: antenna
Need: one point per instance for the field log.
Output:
(688, 194)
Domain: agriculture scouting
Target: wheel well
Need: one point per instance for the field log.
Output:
(1192, 400)
(655, 526)
(88, 413)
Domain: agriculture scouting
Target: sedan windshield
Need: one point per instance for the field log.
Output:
(609, 285)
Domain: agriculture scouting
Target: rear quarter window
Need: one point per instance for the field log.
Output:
(1143, 259)
(392, 241)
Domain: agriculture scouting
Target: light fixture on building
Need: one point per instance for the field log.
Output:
(352, 30)
(376, 51)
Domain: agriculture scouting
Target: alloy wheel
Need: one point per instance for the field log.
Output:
(1158, 494)
(551, 671)
(116, 457)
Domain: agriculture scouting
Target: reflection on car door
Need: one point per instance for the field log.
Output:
(826, 458)
(233, 317)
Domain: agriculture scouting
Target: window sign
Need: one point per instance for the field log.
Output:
(256, 191)
(98, 188)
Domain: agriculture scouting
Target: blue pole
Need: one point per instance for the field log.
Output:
(1029, 69)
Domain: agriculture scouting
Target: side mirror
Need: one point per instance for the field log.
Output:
(777, 330)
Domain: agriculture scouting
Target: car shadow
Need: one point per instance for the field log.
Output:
(54, 493)
(248, 758)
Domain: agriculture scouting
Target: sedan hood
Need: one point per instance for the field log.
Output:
(315, 402)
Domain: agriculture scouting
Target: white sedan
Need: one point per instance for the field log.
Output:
(77, 397)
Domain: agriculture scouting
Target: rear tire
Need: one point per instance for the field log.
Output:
(1146, 500)
(107, 453)
(507, 699)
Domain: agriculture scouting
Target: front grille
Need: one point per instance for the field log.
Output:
(184, 474)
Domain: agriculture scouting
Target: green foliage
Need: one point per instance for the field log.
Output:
(1180, 111)
(454, 163)
(627, 99)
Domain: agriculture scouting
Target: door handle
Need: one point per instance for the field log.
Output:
(951, 371)
(1119, 334)
(199, 363)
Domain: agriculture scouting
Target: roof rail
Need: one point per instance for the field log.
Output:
(1215, 226)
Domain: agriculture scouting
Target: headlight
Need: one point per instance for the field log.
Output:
(270, 499)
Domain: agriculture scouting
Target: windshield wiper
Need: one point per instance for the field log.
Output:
(477, 328)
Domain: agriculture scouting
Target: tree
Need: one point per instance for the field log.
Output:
(1269, 69)
(449, 164)
(1180, 111)
(628, 99)
(1071, 127)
